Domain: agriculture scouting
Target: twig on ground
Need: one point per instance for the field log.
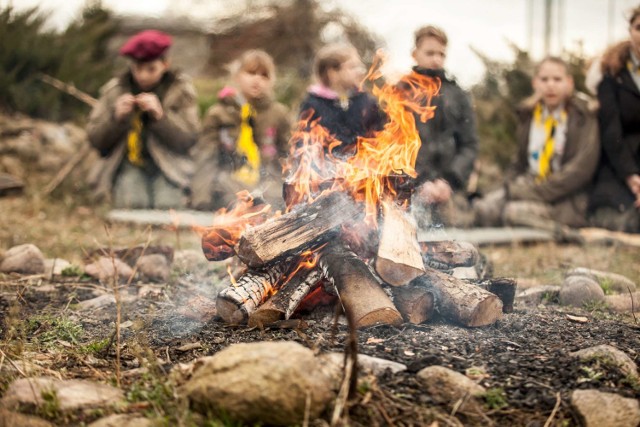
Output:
(555, 410)
(633, 310)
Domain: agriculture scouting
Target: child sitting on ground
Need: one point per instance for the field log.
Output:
(244, 136)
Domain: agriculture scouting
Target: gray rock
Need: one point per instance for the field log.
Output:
(24, 259)
(154, 267)
(375, 365)
(16, 419)
(577, 291)
(448, 386)
(597, 409)
(103, 269)
(70, 394)
(122, 420)
(538, 295)
(610, 356)
(265, 382)
(617, 283)
(54, 266)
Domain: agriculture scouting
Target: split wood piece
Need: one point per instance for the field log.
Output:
(282, 305)
(399, 260)
(415, 303)
(301, 229)
(504, 288)
(359, 291)
(236, 302)
(449, 254)
(462, 302)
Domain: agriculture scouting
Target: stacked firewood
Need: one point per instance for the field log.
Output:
(379, 277)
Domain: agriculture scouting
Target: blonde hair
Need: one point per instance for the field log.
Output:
(255, 61)
(553, 60)
(430, 31)
(331, 57)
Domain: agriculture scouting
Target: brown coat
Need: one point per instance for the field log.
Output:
(168, 139)
(222, 120)
(568, 189)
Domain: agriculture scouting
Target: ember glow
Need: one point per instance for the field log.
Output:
(219, 239)
(368, 175)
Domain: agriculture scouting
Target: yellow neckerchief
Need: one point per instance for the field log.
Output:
(550, 124)
(134, 140)
(249, 172)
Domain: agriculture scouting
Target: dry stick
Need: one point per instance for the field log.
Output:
(66, 169)
(13, 364)
(68, 88)
(555, 410)
(633, 310)
(116, 296)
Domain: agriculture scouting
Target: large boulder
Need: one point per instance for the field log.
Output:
(24, 259)
(105, 268)
(154, 267)
(612, 282)
(266, 382)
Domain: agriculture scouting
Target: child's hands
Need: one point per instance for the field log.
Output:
(633, 182)
(124, 106)
(150, 103)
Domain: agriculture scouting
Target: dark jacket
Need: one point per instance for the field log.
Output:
(167, 141)
(567, 189)
(361, 117)
(619, 118)
(449, 139)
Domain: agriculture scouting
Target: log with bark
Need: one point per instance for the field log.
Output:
(238, 300)
(447, 254)
(284, 303)
(459, 301)
(359, 291)
(415, 303)
(307, 227)
(399, 260)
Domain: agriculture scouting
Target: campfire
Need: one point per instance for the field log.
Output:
(347, 235)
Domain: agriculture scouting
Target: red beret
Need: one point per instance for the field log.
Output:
(146, 45)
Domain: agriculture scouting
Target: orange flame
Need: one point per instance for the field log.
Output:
(368, 175)
(219, 239)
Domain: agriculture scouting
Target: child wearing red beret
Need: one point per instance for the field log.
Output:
(144, 124)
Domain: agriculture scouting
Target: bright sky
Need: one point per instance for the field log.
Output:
(485, 25)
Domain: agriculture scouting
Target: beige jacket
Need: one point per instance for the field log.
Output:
(168, 139)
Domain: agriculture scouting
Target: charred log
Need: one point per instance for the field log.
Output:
(237, 301)
(448, 254)
(504, 288)
(284, 303)
(304, 228)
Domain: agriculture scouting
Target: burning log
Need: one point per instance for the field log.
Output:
(359, 291)
(305, 228)
(286, 300)
(462, 302)
(237, 301)
(399, 260)
(449, 254)
(415, 303)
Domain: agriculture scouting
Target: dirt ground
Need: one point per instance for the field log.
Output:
(523, 360)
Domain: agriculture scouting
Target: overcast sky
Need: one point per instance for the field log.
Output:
(486, 25)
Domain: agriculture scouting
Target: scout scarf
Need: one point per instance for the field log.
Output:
(249, 172)
(135, 136)
(547, 137)
(134, 140)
